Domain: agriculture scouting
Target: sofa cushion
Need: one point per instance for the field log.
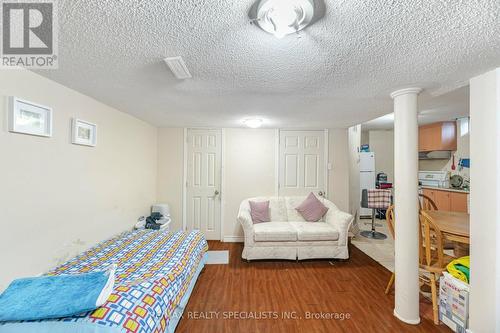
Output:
(292, 213)
(274, 232)
(277, 210)
(319, 231)
(259, 211)
(312, 209)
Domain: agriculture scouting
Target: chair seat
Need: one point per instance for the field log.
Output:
(274, 232)
(315, 231)
(448, 259)
(434, 268)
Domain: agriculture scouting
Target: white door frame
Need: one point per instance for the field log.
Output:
(277, 156)
(222, 177)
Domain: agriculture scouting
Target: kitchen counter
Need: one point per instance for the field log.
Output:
(449, 189)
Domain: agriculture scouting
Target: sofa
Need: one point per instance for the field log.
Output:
(290, 236)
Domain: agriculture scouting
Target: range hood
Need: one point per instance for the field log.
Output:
(434, 155)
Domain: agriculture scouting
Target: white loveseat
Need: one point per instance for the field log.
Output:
(289, 236)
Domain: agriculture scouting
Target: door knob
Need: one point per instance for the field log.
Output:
(216, 192)
(320, 193)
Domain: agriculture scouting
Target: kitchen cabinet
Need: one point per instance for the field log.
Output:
(448, 200)
(442, 200)
(458, 202)
(440, 136)
(430, 193)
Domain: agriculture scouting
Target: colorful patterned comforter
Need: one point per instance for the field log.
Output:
(153, 274)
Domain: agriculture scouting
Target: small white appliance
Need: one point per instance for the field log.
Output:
(164, 210)
(366, 177)
(434, 178)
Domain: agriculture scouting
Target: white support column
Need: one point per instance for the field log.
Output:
(484, 307)
(406, 203)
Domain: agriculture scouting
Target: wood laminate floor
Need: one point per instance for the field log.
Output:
(286, 296)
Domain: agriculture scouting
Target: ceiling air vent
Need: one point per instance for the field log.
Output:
(178, 67)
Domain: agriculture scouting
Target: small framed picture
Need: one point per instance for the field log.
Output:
(84, 133)
(29, 118)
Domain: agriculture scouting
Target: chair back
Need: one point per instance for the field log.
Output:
(377, 198)
(426, 203)
(389, 217)
(364, 198)
(431, 252)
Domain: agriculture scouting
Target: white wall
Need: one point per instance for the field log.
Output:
(171, 171)
(382, 143)
(365, 137)
(338, 177)
(250, 170)
(354, 141)
(56, 198)
(485, 202)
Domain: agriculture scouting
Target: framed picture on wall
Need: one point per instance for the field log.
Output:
(84, 133)
(29, 118)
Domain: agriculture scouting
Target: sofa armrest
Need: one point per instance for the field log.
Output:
(246, 222)
(340, 220)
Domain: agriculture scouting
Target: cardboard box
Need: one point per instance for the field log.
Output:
(454, 303)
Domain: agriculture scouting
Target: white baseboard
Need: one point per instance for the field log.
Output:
(233, 239)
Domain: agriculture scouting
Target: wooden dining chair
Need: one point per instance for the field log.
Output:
(432, 259)
(426, 203)
(389, 217)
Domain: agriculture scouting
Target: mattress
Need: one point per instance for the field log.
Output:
(156, 273)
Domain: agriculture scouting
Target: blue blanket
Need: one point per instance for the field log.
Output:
(59, 296)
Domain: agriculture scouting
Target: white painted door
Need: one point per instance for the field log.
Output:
(302, 163)
(203, 204)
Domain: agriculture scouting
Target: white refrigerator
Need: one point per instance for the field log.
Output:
(366, 177)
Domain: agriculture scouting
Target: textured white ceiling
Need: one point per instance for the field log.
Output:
(339, 73)
(448, 106)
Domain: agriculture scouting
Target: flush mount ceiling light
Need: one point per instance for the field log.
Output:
(253, 122)
(284, 17)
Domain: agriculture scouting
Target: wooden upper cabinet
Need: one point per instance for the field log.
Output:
(438, 136)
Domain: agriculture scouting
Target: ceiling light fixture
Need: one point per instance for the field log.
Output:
(284, 17)
(253, 122)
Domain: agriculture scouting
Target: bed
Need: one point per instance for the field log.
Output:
(156, 274)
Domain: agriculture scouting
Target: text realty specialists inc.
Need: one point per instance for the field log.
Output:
(264, 315)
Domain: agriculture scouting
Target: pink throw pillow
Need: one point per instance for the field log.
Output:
(311, 209)
(259, 211)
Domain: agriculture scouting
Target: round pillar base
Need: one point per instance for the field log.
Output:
(407, 321)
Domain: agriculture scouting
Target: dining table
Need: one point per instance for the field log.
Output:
(455, 228)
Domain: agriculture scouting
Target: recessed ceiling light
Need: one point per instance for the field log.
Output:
(283, 17)
(178, 67)
(253, 122)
